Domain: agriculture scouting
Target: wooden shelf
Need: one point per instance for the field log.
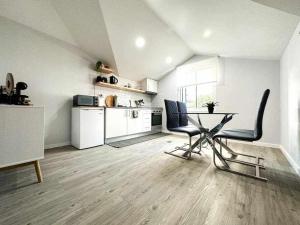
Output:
(114, 86)
(105, 70)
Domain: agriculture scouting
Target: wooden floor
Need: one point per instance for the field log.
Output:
(140, 184)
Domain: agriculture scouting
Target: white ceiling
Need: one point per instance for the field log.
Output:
(39, 15)
(290, 6)
(107, 29)
(240, 28)
(125, 21)
(85, 22)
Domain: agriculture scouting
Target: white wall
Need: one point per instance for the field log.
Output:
(290, 101)
(54, 72)
(244, 83)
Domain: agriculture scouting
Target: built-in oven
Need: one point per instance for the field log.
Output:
(156, 120)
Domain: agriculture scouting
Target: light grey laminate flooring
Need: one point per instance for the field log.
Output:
(140, 184)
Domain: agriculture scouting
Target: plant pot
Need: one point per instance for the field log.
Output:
(210, 109)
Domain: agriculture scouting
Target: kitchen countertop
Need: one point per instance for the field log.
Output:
(134, 107)
(120, 107)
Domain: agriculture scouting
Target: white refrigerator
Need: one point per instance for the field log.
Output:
(87, 127)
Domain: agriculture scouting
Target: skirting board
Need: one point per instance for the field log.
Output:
(57, 145)
(291, 160)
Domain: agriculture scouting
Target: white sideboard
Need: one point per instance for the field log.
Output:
(21, 136)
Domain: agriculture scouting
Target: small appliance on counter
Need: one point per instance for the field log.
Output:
(11, 95)
(113, 80)
(85, 100)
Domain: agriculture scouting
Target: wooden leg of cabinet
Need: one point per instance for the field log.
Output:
(38, 171)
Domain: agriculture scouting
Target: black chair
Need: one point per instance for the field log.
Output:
(177, 121)
(245, 135)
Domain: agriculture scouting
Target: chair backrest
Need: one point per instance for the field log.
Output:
(172, 114)
(183, 118)
(258, 131)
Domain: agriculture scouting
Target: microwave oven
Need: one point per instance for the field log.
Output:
(85, 100)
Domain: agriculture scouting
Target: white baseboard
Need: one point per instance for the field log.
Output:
(257, 143)
(294, 165)
(57, 145)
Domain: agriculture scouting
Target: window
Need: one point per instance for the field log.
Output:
(199, 86)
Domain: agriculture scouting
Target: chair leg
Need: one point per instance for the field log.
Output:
(187, 151)
(256, 165)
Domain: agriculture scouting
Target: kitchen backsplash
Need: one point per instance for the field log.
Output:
(124, 96)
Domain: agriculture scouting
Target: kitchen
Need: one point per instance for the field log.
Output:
(119, 117)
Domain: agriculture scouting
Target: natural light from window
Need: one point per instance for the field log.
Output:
(197, 83)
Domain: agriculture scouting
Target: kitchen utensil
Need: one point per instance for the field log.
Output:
(109, 101)
(115, 101)
(9, 84)
(113, 80)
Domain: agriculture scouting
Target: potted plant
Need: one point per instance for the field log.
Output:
(210, 106)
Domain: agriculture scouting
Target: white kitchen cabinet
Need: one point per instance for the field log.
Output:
(121, 122)
(146, 120)
(150, 86)
(116, 122)
(21, 136)
(87, 127)
(134, 125)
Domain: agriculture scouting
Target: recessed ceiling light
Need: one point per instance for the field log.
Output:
(140, 42)
(169, 60)
(207, 33)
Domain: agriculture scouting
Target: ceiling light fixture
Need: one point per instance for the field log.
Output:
(207, 33)
(140, 42)
(169, 60)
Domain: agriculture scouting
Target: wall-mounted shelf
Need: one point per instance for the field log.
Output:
(114, 86)
(105, 70)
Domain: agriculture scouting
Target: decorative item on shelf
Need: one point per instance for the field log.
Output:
(210, 106)
(101, 79)
(113, 80)
(100, 67)
(12, 95)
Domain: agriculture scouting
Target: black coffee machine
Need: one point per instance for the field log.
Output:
(11, 95)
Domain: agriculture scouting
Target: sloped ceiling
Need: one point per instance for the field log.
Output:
(239, 28)
(85, 22)
(39, 15)
(290, 6)
(125, 21)
(107, 29)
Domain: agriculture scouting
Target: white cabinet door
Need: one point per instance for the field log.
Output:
(134, 124)
(152, 85)
(146, 120)
(91, 127)
(21, 134)
(116, 122)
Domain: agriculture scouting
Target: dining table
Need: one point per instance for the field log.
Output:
(206, 134)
